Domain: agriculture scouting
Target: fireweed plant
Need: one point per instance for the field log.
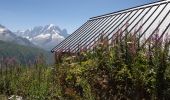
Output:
(123, 69)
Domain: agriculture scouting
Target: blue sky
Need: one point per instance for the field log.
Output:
(69, 14)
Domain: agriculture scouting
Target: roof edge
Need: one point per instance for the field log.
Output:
(103, 15)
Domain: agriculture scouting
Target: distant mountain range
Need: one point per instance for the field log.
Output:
(45, 37)
(7, 36)
(27, 45)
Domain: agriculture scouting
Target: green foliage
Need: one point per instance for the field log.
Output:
(122, 71)
(22, 54)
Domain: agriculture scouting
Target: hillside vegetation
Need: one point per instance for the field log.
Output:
(117, 71)
(22, 54)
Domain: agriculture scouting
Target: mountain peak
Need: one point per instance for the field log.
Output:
(51, 25)
(46, 36)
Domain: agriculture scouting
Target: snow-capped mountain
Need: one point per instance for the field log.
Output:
(45, 37)
(8, 36)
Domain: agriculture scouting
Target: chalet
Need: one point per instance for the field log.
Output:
(144, 20)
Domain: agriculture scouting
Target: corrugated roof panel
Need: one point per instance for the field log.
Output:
(91, 33)
(80, 34)
(96, 31)
(149, 18)
(87, 26)
(130, 9)
(96, 34)
(153, 21)
(70, 36)
(118, 23)
(83, 34)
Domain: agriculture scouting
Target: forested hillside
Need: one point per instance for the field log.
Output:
(22, 54)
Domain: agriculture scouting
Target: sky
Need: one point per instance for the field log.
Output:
(68, 14)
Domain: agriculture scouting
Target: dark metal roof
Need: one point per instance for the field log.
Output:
(146, 19)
